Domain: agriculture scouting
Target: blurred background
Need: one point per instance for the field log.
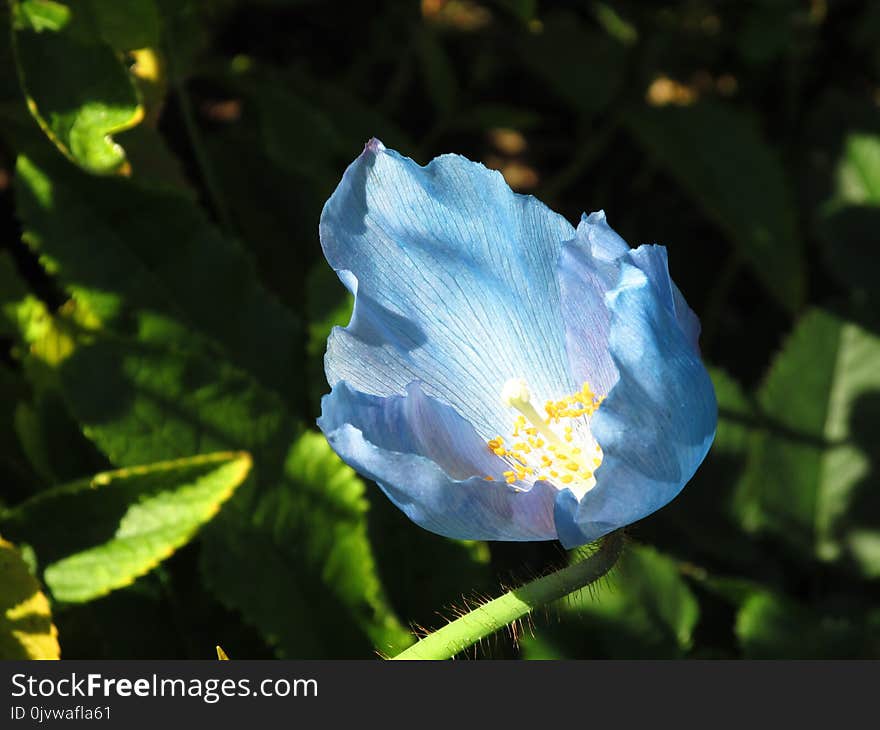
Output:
(163, 164)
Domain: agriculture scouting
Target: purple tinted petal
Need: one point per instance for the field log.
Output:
(653, 261)
(655, 426)
(430, 462)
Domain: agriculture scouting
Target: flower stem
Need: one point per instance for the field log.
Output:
(498, 613)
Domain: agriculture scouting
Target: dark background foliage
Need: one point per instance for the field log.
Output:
(163, 164)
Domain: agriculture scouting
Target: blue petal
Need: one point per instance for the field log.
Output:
(603, 241)
(430, 462)
(588, 269)
(455, 284)
(657, 423)
(652, 260)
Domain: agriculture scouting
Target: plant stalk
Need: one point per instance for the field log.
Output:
(498, 613)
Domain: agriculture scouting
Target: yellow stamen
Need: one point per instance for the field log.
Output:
(536, 444)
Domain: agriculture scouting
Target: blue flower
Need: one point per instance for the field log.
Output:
(505, 376)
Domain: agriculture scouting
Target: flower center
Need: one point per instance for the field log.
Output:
(537, 451)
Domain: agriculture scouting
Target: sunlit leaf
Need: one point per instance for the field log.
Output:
(859, 170)
(98, 534)
(77, 87)
(100, 236)
(851, 218)
(40, 15)
(26, 629)
(139, 403)
(811, 478)
(12, 291)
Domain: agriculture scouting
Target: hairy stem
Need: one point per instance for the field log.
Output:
(498, 613)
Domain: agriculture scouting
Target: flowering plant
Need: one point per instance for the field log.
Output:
(505, 376)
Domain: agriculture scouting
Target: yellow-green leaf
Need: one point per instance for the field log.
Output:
(99, 534)
(26, 628)
(76, 85)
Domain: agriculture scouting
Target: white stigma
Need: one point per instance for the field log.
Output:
(514, 392)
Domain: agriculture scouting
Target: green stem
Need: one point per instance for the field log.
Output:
(498, 613)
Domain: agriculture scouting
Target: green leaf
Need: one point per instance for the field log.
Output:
(76, 87)
(770, 626)
(40, 15)
(296, 133)
(858, 173)
(735, 414)
(811, 474)
(98, 235)
(12, 291)
(133, 622)
(16, 472)
(312, 531)
(644, 609)
(701, 521)
(99, 534)
(150, 396)
(615, 24)
(426, 576)
(717, 155)
(849, 221)
(125, 25)
(52, 440)
(26, 629)
(139, 403)
(277, 227)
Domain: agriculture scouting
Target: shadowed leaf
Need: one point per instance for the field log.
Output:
(99, 534)
(811, 479)
(311, 529)
(643, 609)
(716, 154)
